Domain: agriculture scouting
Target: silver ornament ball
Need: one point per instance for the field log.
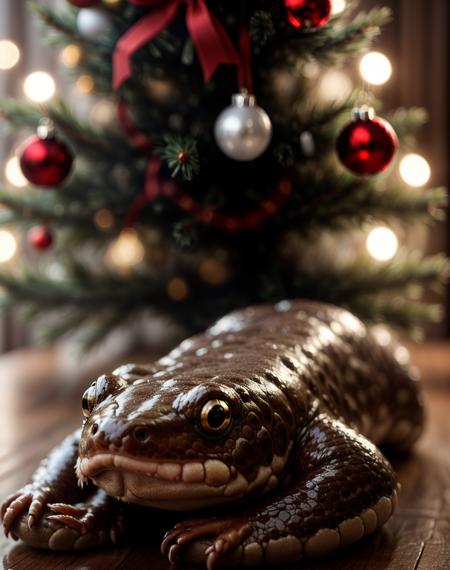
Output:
(243, 131)
(93, 23)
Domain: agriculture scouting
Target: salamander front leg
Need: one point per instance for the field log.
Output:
(54, 512)
(343, 489)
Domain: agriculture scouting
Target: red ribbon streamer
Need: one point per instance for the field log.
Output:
(212, 43)
(152, 183)
(244, 70)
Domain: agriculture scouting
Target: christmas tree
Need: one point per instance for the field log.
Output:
(226, 180)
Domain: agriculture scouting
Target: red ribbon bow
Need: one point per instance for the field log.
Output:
(212, 43)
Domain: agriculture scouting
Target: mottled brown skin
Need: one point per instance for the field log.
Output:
(294, 474)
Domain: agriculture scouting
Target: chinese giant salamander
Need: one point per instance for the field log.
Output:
(266, 425)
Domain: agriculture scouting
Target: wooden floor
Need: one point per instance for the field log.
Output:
(38, 409)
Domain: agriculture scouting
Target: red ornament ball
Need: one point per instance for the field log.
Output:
(84, 3)
(45, 162)
(308, 13)
(40, 237)
(367, 146)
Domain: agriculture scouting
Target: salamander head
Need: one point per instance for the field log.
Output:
(182, 444)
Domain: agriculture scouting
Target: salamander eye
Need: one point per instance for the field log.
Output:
(89, 400)
(215, 416)
(99, 390)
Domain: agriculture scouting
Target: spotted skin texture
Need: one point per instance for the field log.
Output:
(286, 467)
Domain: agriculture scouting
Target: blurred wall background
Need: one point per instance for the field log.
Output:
(417, 43)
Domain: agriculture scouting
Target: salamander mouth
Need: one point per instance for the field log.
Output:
(166, 485)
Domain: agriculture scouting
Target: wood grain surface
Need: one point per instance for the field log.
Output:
(38, 408)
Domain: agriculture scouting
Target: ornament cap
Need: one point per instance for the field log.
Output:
(243, 99)
(363, 113)
(45, 129)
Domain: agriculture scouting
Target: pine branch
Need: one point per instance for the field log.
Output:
(28, 209)
(94, 296)
(406, 120)
(365, 277)
(332, 42)
(181, 155)
(91, 141)
(96, 55)
(322, 200)
(381, 292)
(63, 24)
(410, 317)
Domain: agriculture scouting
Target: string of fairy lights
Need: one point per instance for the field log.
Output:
(127, 251)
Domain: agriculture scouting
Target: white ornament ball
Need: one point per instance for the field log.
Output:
(93, 23)
(243, 131)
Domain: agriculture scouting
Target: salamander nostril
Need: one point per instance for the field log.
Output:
(94, 429)
(141, 434)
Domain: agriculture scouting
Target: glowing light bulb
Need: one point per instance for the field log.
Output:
(8, 246)
(126, 251)
(338, 6)
(103, 112)
(382, 244)
(104, 219)
(9, 54)
(85, 84)
(213, 271)
(311, 70)
(160, 90)
(335, 86)
(39, 86)
(375, 68)
(13, 173)
(177, 289)
(415, 170)
(70, 55)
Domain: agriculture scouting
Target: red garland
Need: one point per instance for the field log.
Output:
(210, 39)
(229, 223)
(152, 183)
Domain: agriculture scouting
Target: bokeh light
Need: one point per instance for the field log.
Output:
(8, 246)
(103, 112)
(213, 271)
(9, 54)
(338, 6)
(70, 56)
(126, 251)
(85, 84)
(335, 86)
(39, 86)
(382, 243)
(177, 289)
(375, 68)
(160, 90)
(104, 219)
(311, 70)
(14, 174)
(415, 170)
